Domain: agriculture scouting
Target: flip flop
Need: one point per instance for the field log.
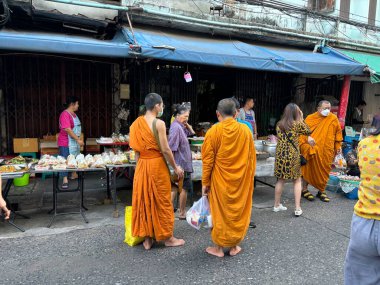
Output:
(65, 186)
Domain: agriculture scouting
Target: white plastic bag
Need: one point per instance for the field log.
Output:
(199, 215)
(339, 161)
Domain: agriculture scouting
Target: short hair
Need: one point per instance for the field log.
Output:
(151, 100)
(227, 107)
(71, 100)
(248, 99)
(323, 102)
(237, 104)
(362, 103)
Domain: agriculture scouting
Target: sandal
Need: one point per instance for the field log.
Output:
(65, 186)
(307, 195)
(323, 197)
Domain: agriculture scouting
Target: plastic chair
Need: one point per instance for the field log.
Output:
(29, 154)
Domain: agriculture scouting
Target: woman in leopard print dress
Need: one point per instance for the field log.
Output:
(288, 165)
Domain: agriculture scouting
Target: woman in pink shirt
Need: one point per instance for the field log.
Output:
(69, 141)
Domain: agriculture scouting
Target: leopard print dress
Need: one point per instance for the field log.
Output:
(287, 164)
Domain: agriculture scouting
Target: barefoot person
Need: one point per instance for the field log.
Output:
(328, 138)
(152, 214)
(229, 161)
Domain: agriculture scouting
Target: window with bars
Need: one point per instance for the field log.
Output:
(325, 6)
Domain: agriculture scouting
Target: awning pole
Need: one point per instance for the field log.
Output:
(344, 100)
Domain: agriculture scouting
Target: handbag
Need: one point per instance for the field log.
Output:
(176, 182)
(303, 160)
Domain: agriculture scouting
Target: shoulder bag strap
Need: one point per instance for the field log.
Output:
(155, 133)
(291, 141)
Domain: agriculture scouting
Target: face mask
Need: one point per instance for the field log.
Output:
(325, 113)
(159, 115)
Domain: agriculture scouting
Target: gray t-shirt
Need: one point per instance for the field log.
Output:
(242, 112)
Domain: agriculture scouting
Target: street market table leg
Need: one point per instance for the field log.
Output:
(5, 196)
(115, 211)
(82, 190)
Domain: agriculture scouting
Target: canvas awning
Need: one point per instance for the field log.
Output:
(203, 49)
(370, 60)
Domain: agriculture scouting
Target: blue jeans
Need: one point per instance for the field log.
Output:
(64, 152)
(362, 266)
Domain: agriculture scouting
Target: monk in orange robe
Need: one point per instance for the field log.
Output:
(229, 161)
(327, 133)
(152, 209)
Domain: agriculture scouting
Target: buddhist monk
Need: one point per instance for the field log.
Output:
(229, 161)
(152, 209)
(327, 133)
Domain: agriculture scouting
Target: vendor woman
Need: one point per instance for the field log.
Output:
(69, 141)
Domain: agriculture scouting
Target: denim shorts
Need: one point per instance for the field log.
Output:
(64, 152)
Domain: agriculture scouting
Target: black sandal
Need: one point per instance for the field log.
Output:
(307, 195)
(323, 197)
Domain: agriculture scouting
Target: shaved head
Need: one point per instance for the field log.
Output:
(323, 102)
(227, 108)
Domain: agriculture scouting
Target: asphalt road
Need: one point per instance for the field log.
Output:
(282, 250)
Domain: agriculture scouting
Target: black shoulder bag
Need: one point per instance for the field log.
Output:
(303, 160)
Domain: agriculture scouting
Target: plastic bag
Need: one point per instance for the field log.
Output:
(199, 215)
(129, 239)
(339, 161)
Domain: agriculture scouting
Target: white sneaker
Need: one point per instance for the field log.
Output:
(298, 212)
(279, 208)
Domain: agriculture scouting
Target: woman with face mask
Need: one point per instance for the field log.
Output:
(179, 132)
(152, 209)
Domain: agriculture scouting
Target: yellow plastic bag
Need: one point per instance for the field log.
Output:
(129, 239)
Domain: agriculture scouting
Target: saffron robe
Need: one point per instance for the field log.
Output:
(152, 210)
(327, 134)
(229, 161)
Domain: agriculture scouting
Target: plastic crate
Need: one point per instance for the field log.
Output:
(333, 184)
(351, 139)
(353, 195)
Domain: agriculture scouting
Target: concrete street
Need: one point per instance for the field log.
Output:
(281, 250)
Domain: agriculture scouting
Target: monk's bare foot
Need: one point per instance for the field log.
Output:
(172, 242)
(235, 250)
(148, 243)
(216, 251)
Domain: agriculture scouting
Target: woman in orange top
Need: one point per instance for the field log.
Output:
(362, 264)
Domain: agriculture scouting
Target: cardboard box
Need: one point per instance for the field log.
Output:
(25, 145)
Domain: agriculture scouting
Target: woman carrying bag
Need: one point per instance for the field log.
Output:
(288, 158)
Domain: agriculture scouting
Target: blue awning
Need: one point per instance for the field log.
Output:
(64, 44)
(200, 49)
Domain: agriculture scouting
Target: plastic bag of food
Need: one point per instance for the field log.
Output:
(339, 161)
(199, 215)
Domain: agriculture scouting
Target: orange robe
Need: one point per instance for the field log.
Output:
(327, 134)
(152, 210)
(229, 162)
